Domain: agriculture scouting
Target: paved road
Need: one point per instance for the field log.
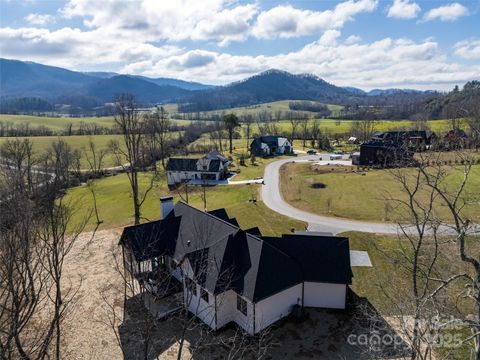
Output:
(273, 199)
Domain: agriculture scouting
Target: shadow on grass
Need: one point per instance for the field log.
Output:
(358, 332)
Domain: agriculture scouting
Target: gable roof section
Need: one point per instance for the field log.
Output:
(152, 239)
(321, 258)
(222, 214)
(214, 165)
(181, 164)
(214, 158)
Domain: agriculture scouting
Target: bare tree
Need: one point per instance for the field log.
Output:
(94, 159)
(36, 235)
(315, 132)
(304, 127)
(131, 125)
(18, 154)
(364, 129)
(423, 237)
(248, 121)
(455, 200)
(295, 121)
(158, 128)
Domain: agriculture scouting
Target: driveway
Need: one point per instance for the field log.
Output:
(273, 199)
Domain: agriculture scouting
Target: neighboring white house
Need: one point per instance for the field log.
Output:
(270, 145)
(232, 275)
(212, 166)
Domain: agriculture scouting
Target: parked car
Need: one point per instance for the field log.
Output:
(335, 157)
(311, 152)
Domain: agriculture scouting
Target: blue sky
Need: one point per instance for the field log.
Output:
(365, 43)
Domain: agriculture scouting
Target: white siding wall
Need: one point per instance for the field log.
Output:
(205, 311)
(176, 177)
(276, 307)
(325, 295)
(245, 322)
(267, 311)
(226, 307)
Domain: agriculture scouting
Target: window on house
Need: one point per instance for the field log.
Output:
(191, 286)
(204, 294)
(241, 305)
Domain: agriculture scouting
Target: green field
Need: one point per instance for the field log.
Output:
(270, 107)
(115, 204)
(361, 195)
(57, 124)
(42, 143)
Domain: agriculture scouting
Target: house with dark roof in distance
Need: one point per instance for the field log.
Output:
(384, 154)
(226, 274)
(270, 146)
(213, 166)
(416, 140)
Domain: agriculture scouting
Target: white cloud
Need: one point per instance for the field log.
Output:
(227, 25)
(285, 21)
(384, 63)
(468, 49)
(329, 37)
(149, 38)
(72, 47)
(403, 9)
(39, 19)
(450, 12)
(353, 39)
(173, 20)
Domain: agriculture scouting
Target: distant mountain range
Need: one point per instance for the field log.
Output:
(382, 92)
(271, 85)
(27, 79)
(56, 85)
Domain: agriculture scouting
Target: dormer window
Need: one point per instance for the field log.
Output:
(204, 294)
(191, 286)
(242, 305)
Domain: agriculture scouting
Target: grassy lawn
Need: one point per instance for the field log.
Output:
(249, 171)
(115, 204)
(359, 195)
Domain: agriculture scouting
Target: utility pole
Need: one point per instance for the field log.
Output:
(204, 197)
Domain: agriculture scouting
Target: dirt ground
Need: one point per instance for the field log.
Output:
(90, 264)
(321, 335)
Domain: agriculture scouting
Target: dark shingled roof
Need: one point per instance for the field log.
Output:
(223, 256)
(322, 258)
(222, 214)
(214, 158)
(182, 164)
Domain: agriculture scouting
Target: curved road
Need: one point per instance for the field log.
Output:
(273, 199)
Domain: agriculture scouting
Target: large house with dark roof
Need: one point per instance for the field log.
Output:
(226, 274)
(270, 145)
(213, 166)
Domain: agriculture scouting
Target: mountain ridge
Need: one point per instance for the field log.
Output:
(19, 79)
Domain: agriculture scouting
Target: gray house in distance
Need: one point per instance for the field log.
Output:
(270, 146)
(213, 166)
